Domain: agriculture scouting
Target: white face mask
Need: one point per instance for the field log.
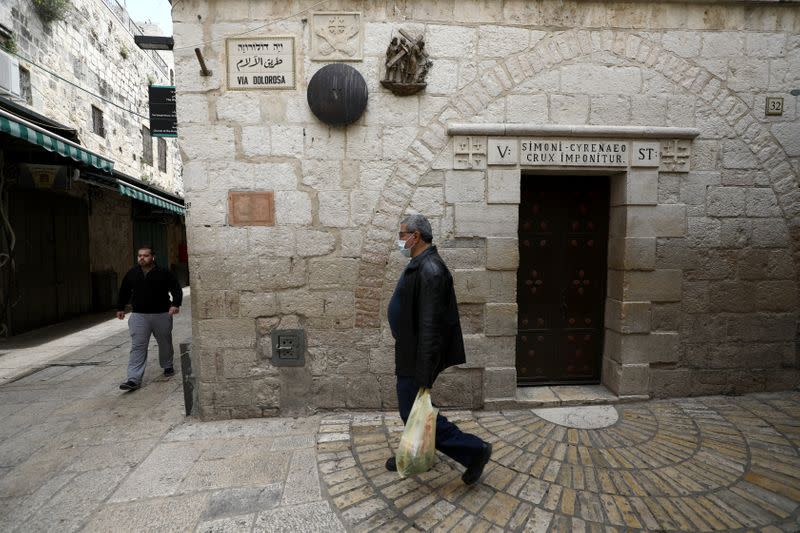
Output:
(401, 245)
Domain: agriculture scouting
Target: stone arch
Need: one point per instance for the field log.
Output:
(508, 73)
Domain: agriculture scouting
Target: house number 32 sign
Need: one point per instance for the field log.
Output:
(774, 105)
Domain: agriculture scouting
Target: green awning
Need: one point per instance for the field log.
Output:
(144, 196)
(22, 129)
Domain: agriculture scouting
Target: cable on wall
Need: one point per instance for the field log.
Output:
(103, 98)
(252, 30)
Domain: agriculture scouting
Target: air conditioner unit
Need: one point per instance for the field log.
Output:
(9, 75)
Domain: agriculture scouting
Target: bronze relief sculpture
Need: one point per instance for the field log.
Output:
(407, 65)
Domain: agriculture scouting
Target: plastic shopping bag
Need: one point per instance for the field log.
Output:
(417, 450)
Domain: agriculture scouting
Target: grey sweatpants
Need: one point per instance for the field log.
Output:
(141, 325)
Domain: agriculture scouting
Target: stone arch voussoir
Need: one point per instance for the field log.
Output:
(495, 80)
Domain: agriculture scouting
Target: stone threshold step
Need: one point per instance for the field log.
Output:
(560, 396)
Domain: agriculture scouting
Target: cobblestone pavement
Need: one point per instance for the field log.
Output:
(78, 454)
(706, 464)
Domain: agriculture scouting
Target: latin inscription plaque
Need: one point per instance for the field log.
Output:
(574, 152)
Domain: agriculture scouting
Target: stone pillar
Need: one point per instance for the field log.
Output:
(634, 282)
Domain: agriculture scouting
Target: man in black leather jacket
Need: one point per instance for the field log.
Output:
(423, 315)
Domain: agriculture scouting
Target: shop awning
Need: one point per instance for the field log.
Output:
(62, 130)
(151, 198)
(22, 129)
(132, 188)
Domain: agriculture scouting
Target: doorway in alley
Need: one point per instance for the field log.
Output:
(561, 281)
(51, 280)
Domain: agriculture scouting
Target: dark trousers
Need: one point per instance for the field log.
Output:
(451, 441)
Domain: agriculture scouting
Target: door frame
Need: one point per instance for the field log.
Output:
(634, 283)
(640, 283)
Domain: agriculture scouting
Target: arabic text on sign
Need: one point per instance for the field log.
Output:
(258, 61)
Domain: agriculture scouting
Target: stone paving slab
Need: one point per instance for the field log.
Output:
(88, 339)
(78, 454)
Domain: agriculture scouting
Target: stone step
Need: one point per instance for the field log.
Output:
(560, 396)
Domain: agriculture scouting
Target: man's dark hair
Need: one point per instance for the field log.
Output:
(146, 247)
(419, 223)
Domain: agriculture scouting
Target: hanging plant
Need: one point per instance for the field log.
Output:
(9, 45)
(51, 10)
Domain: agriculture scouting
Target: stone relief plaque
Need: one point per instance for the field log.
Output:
(469, 152)
(337, 36)
(503, 152)
(574, 152)
(646, 154)
(675, 155)
(407, 64)
(260, 63)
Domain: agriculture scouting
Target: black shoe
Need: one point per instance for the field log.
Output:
(169, 372)
(129, 385)
(391, 464)
(475, 470)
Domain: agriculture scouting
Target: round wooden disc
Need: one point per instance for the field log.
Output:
(337, 94)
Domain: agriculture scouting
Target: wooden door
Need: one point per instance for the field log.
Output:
(52, 280)
(561, 281)
(72, 276)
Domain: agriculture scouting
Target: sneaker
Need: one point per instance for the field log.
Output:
(391, 464)
(129, 385)
(169, 372)
(474, 472)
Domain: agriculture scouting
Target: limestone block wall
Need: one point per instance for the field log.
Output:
(110, 231)
(90, 59)
(703, 251)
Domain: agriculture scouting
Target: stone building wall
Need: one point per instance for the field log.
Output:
(110, 231)
(703, 249)
(93, 49)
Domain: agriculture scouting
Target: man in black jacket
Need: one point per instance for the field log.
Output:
(148, 287)
(423, 315)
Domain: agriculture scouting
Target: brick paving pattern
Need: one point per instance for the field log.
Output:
(78, 454)
(708, 464)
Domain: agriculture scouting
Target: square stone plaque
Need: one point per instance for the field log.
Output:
(251, 208)
(503, 152)
(469, 152)
(646, 154)
(337, 36)
(675, 155)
